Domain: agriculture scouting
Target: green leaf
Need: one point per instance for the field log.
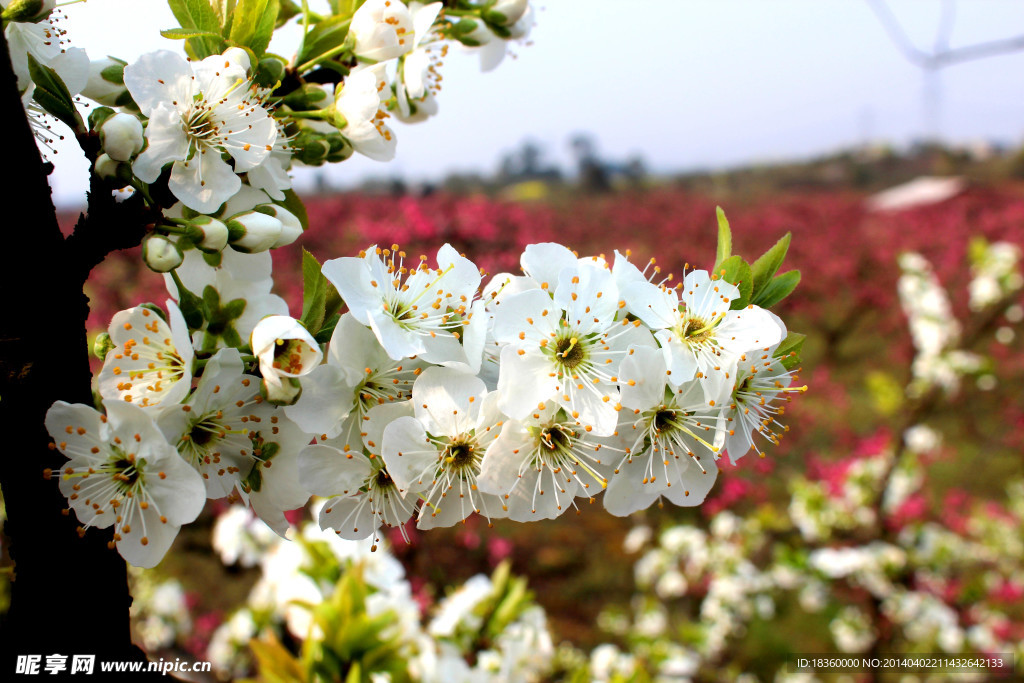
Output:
(736, 271)
(224, 10)
(324, 36)
(724, 239)
(314, 292)
(52, 95)
(765, 267)
(292, 202)
(253, 24)
(114, 73)
(327, 330)
(778, 289)
(789, 350)
(201, 16)
(185, 33)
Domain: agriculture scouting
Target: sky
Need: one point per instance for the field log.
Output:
(684, 84)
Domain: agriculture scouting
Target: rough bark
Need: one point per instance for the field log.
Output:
(69, 594)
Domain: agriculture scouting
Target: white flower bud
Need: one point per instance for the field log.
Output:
(102, 90)
(161, 254)
(252, 232)
(214, 234)
(291, 227)
(512, 10)
(122, 136)
(106, 167)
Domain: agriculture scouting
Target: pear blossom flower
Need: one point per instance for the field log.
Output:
(701, 336)
(671, 438)
(358, 375)
(284, 348)
(420, 82)
(213, 431)
(415, 311)
(363, 495)
(196, 113)
(382, 30)
(48, 44)
(541, 464)
(122, 472)
(438, 453)
(566, 349)
(151, 364)
(362, 104)
(762, 383)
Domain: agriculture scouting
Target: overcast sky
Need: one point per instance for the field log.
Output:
(683, 83)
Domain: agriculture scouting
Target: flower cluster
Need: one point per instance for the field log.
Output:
(439, 396)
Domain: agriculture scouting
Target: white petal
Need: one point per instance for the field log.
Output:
(326, 471)
(204, 182)
(158, 77)
(327, 399)
(524, 381)
(543, 262)
(409, 456)
(447, 401)
(167, 143)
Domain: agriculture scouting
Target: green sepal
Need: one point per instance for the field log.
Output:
(115, 72)
(736, 271)
(234, 309)
(778, 289)
(199, 15)
(789, 350)
(52, 95)
(764, 268)
(191, 306)
(724, 250)
(98, 115)
(253, 24)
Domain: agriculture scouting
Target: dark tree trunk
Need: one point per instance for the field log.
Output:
(70, 594)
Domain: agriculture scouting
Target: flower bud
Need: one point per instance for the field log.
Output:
(269, 72)
(102, 345)
(121, 135)
(106, 82)
(310, 148)
(291, 227)
(307, 97)
(161, 254)
(252, 232)
(472, 33)
(28, 10)
(507, 12)
(208, 234)
(106, 167)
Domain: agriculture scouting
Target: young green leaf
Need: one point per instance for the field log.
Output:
(293, 203)
(778, 289)
(185, 33)
(52, 95)
(253, 24)
(325, 36)
(314, 293)
(735, 270)
(765, 267)
(789, 350)
(199, 15)
(724, 239)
